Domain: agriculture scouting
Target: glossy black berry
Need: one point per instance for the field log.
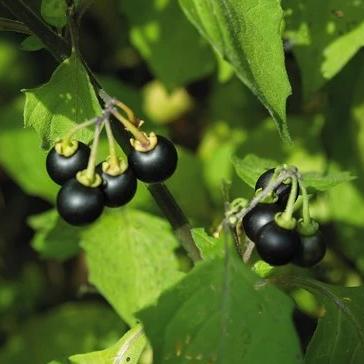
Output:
(282, 191)
(258, 217)
(277, 246)
(156, 165)
(118, 190)
(311, 250)
(61, 168)
(78, 204)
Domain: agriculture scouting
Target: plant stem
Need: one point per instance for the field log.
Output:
(68, 137)
(92, 160)
(305, 205)
(9, 25)
(61, 50)
(54, 43)
(288, 212)
(112, 150)
(137, 134)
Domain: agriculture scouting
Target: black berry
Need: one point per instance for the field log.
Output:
(61, 168)
(258, 217)
(282, 191)
(156, 165)
(311, 250)
(118, 190)
(78, 204)
(277, 246)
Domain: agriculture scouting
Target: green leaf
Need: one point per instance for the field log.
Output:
(222, 313)
(126, 351)
(61, 332)
(54, 239)
(130, 259)
(31, 43)
(208, 246)
(67, 99)
(325, 182)
(54, 12)
(151, 33)
(251, 167)
(248, 35)
(21, 156)
(339, 336)
(325, 35)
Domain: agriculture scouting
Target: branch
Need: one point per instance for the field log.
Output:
(54, 43)
(60, 50)
(9, 25)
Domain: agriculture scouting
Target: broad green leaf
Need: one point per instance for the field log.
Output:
(130, 259)
(339, 336)
(222, 313)
(31, 43)
(248, 35)
(54, 239)
(251, 167)
(325, 35)
(126, 351)
(54, 12)
(325, 182)
(61, 332)
(67, 99)
(20, 154)
(208, 246)
(175, 57)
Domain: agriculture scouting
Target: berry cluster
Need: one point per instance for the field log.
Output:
(87, 187)
(279, 238)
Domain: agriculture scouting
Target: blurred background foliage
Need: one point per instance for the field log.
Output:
(147, 54)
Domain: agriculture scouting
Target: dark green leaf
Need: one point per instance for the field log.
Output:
(21, 156)
(209, 246)
(54, 239)
(248, 35)
(54, 12)
(251, 167)
(324, 182)
(130, 259)
(152, 25)
(67, 99)
(339, 336)
(31, 43)
(222, 313)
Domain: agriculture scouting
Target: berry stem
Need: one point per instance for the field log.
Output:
(288, 212)
(114, 160)
(305, 204)
(68, 138)
(128, 111)
(137, 134)
(90, 171)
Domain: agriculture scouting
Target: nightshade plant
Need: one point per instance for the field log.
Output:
(180, 212)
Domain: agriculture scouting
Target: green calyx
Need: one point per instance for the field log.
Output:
(307, 228)
(66, 148)
(287, 223)
(114, 166)
(85, 179)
